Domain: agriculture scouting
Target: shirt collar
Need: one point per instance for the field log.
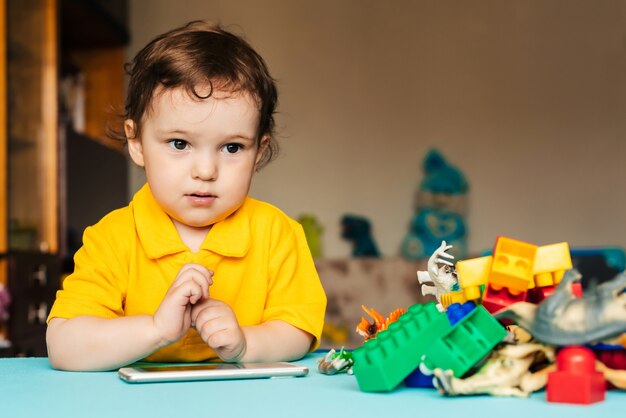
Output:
(158, 235)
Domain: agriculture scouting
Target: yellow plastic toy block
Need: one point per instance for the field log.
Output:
(513, 264)
(448, 299)
(551, 262)
(472, 274)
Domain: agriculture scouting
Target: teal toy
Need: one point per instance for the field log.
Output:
(313, 231)
(358, 230)
(440, 209)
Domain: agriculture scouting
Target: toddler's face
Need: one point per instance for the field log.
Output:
(199, 155)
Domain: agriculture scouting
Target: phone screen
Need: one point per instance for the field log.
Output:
(190, 368)
(209, 371)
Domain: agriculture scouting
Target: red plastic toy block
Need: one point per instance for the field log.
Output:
(614, 359)
(496, 298)
(539, 294)
(576, 379)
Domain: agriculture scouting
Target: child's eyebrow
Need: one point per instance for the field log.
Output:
(228, 136)
(242, 137)
(172, 131)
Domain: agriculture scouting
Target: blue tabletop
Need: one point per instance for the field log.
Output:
(29, 387)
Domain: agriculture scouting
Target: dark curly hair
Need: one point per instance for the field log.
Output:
(200, 54)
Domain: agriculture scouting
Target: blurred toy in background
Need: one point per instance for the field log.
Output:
(441, 275)
(564, 319)
(336, 334)
(598, 264)
(358, 230)
(368, 330)
(313, 231)
(440, 209)
(336, 362)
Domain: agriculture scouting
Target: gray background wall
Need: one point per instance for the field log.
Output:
(528, 98)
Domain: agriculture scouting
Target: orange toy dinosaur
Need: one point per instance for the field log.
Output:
(368, 330)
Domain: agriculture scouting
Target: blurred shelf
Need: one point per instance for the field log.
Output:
(87, 24)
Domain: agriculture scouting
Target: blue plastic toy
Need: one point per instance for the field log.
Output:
(440, 209)
(359, 231)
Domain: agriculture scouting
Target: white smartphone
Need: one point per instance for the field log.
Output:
(209, 371)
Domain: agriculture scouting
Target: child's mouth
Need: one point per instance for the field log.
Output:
(201, 198)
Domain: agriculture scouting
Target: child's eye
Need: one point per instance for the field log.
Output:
(179, 144)
(232, 148)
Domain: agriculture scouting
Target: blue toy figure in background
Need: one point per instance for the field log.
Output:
(358, 230)
(440, 208)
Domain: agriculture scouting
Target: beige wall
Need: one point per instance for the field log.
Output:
(527, 97)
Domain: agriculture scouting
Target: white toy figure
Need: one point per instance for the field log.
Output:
(336, 362)
(441, 275)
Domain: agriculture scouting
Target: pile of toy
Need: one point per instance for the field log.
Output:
(507, 324)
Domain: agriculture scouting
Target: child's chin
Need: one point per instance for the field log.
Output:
(200, 225)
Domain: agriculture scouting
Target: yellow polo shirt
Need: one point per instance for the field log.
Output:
(263, 270)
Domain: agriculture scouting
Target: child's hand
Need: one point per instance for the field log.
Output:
(217, 324)
(173, 318)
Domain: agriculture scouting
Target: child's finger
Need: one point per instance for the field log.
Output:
(209, 311)
(199, 274)
(203, 312)
(195, 274)
(200, 269)
(209, 329)
(196, 292)
(202, 282)
(186, 292)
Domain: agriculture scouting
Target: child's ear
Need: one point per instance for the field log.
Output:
(135, 149)
(265, 142)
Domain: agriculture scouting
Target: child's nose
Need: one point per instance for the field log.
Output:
(204, 168)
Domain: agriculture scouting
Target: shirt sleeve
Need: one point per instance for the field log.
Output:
(295, 293)
(95, 287)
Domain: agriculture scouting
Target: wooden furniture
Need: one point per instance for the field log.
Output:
(29, 228)
(383, 284)
(44, 181)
